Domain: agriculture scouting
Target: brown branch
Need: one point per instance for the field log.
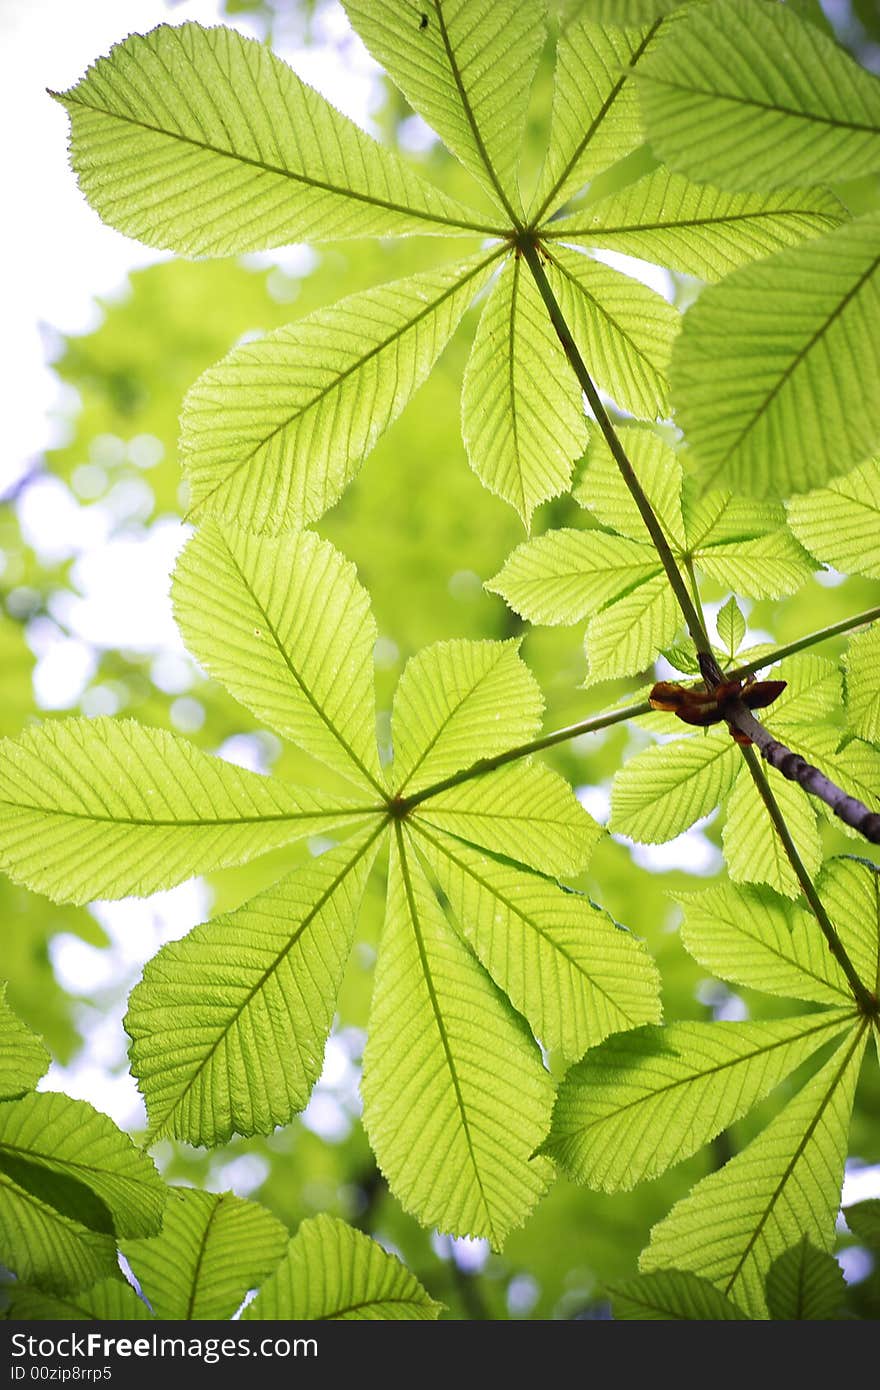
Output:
(849, 809)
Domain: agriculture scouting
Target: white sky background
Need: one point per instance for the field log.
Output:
(56, 258)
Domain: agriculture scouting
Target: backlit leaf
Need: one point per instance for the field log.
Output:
(272, 435)
(805, 1283)
(838, 523)
(23, 1058)
(103, 808)
(862, 665)
(456, 1098)
(785, 1185)
(332, 1272)
(564, 963)
(522, 418)
(203, 142)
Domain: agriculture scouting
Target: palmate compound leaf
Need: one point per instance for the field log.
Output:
(647, 1099)
(229, 1025)
(466, 66)
(23, 1058)
(696, 229)
(93, 808)
(522, 418)
(839, 523)
(862, 666)
(748, 96)
(785, 1185)
(776, 372)
(456, 1097)
(273, 433)
(616, 580)
(672, 1294)
(565, 964)
(741, 543)
(332, 1272)
(203, 142)
(246, 608)
(805, 1284)
(212, 1249)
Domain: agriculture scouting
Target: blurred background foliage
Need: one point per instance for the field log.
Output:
(424, 535)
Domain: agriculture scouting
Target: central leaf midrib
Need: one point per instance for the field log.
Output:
(562, 233)
(340, 189)
(833, 121)
(200, 1255)
(597, 121)
(796, 361)
(188, 824)
(470, 116)
(438, 1018)
(714, 1070)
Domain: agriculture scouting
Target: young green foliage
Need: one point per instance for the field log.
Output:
(683, 1084)
(229, 1024)
(614, 577)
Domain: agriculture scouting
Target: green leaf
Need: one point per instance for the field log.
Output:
(468, 71)
(731, 626)
(863, 1219)
(776, 373)
(112, 1300)
(746, 95)
(838, 523)
(104, 808)
(565, 575)
(672, 1294)
(524, 812)
(850, 890)
(699, 230)
(456, 1098)
(663, 790)
(201, 141)
(785, 1185)
(627, 11)
(23, 1058)
(752, 937)
(752, 847)
(522, 418)
(862, 665)
(647, 1099)
(457, 702)
(211, 1250)
(626, 637)
(812, 693)
(273, 434)
(246, 608)
(624, 330)
(805, 1283)
(603, 490)
(564, 963)
(45, 1247)
(228, 1026)
(68, 1139)
(764, 561)
(333, 1273)
(596, 118)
